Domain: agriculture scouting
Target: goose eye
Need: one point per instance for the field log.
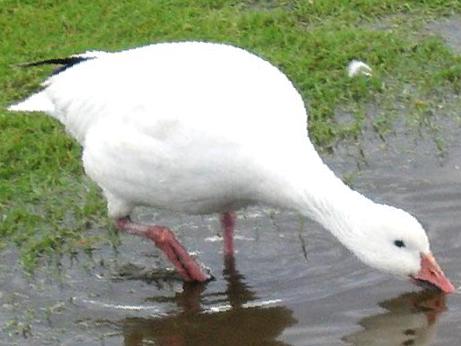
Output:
(399, 243)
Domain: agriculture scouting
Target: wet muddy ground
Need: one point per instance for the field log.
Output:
(290, 282)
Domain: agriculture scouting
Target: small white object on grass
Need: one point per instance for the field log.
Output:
(357, 67)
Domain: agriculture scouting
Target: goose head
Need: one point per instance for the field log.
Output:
(391, 240)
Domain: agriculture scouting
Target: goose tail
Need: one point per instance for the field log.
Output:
(38, 102)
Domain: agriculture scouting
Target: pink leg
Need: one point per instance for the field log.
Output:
(165, 240)
(228, 222)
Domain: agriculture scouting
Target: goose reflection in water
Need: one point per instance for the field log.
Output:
(236, 322)
(410, 320)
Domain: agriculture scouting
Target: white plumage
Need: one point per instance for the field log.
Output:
(357, 67)
(201, 128)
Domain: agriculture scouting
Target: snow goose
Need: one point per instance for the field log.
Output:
(201, 128)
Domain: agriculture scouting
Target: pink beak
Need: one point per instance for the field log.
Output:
(431, 273)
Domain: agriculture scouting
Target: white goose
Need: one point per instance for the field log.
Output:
(201, 128)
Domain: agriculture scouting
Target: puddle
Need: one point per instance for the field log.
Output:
(291, 283)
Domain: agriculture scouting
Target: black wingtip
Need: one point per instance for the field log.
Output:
(64, 62)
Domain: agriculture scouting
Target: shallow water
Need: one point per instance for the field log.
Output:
(291, 283)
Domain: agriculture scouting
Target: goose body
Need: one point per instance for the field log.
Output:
(203, 128)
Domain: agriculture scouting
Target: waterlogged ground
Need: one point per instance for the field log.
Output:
(291, 283)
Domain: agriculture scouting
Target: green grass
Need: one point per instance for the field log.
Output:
(46, 204)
